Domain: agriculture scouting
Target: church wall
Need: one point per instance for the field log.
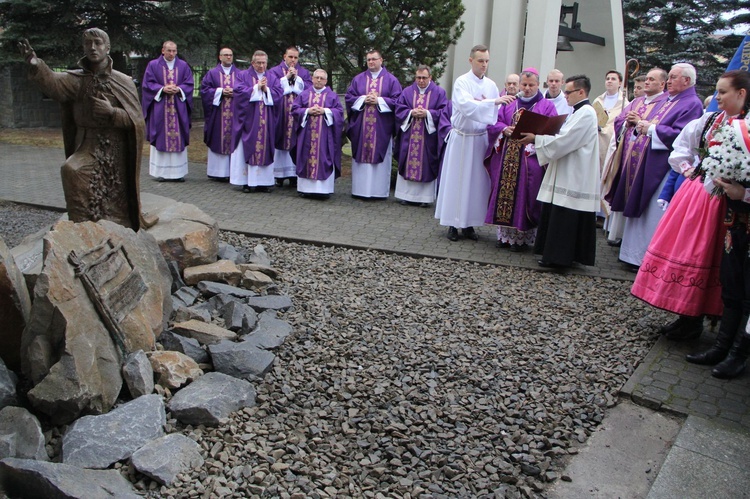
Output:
(517, 40)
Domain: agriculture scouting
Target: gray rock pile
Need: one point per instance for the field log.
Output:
(164, 377)
(403, 378)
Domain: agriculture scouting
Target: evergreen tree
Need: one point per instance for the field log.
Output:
(54, 28)
(336, 34)
(662, 33)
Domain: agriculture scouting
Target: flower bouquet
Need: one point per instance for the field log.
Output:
(727, 155)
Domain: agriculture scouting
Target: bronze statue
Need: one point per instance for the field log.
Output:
(103, 131)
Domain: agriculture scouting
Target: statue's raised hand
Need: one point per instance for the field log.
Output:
(27, 52)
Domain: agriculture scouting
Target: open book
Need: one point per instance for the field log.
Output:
(539, 124)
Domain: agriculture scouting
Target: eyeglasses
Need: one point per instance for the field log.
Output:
(421, 77)
(568, 92)
(373, 59)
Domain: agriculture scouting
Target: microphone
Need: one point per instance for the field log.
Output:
(519, 94)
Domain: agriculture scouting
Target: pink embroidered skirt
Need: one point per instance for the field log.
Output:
(680, 272)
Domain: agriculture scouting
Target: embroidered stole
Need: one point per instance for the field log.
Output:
(171, 122)
(370, 120)
(506, 193)
(315, 124)
(261, 138)
(415, 154)
(227, 114)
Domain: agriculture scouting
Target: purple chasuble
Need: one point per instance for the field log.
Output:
(515, 172)
(286, 129)
(217, 132)
(168, 119)
(369, 130)
(419, 151)
(670, 119)
(318, 145)
(633, 148)
(255, 123)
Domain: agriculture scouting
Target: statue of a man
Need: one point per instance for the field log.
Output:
(103, 132)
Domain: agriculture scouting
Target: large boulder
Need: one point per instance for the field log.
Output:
(8, 382)
(29, 255)
(173, 369)
(222, 271)
(30, 478)
(67, 351)
(211, 398)
(15, 307)
(21, 435)
(185, 234)
(164, 458)
(98, 441)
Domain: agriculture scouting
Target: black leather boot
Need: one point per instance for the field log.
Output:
(730, 323)
(689, 328)
(734, 364)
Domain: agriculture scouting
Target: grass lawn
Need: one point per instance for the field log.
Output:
(52, 137)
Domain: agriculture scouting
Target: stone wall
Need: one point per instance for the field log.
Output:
(22, 105)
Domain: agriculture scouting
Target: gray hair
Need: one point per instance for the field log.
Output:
(687, 70)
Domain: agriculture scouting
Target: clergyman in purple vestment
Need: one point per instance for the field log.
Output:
(370, 104)
(632, 147)
(294, 79)
(217, 92)
(167, 101)
(418, 111)
(642, 213)
(256, 97)
(514, 169)
(321, 120)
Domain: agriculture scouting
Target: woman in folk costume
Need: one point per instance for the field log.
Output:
(699, 252)
(514, 169)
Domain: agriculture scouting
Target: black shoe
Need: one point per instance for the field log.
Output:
(470, 233)
(403, 203)
(279, 182)
(518, 248)
(246, 188)
(424, 205)
(616, 243)
(734, 364)
(293, 182)
(262, 188)
(453, 233)
(730, 323)
(691, 328)
(672, 325)
(547, 265)
(500, 244)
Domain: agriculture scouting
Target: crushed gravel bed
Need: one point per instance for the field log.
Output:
(410, 377)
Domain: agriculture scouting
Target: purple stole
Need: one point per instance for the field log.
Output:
(369, 132)
(286, 117)
(261, 139)
(316, 127)
(171, 126)
(227, 115)
(416, 139)
(634, 150)
(506, 194)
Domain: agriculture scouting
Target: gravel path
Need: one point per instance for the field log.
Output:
(420, 378)
(17, 221)
(424, 378)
